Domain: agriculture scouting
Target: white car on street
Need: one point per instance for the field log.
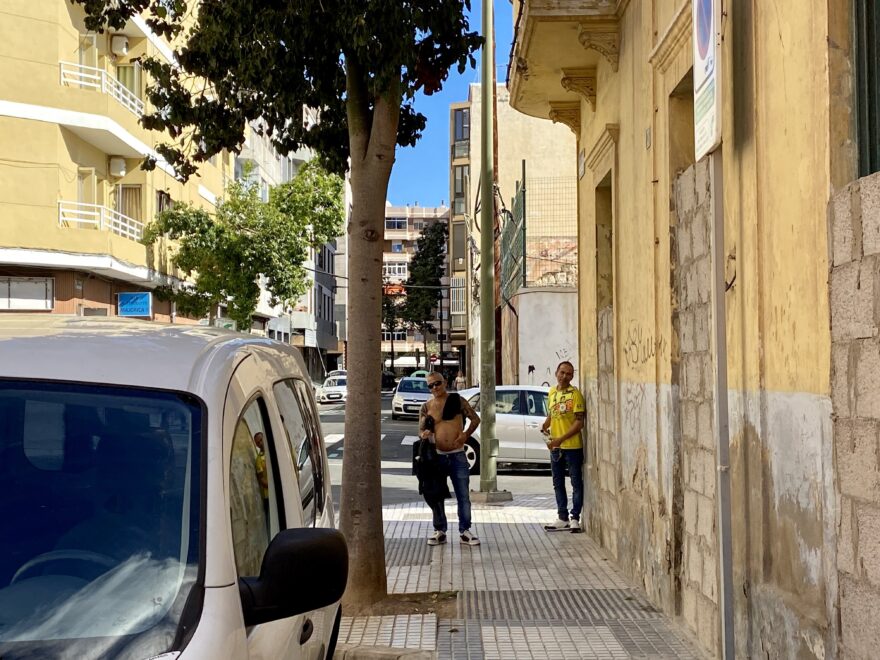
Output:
(520, 411)
(165, 495)
(409, 396)
(334, 390)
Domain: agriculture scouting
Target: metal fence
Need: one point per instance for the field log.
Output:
(539, 236)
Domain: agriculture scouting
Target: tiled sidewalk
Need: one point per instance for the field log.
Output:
(523, 593)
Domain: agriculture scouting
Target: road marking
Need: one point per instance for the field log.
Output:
(333, 438)
(409, 440)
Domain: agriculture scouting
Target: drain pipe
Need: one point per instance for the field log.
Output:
(722, 421)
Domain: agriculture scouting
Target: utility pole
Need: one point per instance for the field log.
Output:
(488, 439)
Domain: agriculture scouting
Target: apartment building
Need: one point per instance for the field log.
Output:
(403, 227)
(536, 247)
(73, 197)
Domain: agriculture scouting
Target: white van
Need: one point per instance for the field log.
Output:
(165, 494)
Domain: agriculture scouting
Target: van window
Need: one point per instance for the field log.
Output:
(294, 405)
(253, 492)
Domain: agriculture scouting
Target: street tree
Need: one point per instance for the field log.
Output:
(423, 292)
(226, 254)
(360, 63)
(392, 314)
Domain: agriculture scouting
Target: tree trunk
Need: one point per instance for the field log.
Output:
(392, 352)
(372, 142)
(427, 355)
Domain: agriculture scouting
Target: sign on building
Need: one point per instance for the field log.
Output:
(135, 304)
(707, 76)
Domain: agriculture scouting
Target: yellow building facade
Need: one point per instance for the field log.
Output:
(73, 197)
(619, 74)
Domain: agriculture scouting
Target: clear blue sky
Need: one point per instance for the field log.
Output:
(421, 173)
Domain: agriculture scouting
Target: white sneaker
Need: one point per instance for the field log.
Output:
(559, 526)
(437, 538)
(468, 538)
(575, 526)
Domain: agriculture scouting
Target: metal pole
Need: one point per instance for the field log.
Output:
(722, 423)
(524, 268)
(488, 440)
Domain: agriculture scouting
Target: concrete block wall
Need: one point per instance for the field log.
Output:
(699, 581)
(854, 218)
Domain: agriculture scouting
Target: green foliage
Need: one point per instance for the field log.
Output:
(423, 284)
(243, 60)
(226, 254)
(392, 312)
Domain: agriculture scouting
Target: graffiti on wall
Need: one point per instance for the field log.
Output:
(640, 345)
(545, 374)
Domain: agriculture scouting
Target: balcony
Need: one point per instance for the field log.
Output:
(558, 47)
(87, 77)
(101, 218)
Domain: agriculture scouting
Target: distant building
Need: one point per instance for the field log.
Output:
(536, 249)
(403, 227)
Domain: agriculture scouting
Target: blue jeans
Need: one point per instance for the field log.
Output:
(574, 458)
(456, 467)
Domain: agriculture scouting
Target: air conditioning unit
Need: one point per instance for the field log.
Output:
(119, 45)
(117, 166)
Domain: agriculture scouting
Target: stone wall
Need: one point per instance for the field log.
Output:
(698, 578)
(855, 373)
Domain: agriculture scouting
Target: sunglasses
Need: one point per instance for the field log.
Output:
(436, 383)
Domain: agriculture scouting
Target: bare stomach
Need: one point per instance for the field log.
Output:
(446, 434)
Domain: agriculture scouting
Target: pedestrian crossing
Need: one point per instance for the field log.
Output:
(333, 438)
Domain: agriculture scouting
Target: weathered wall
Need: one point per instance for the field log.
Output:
(854, 215)
(547, 334)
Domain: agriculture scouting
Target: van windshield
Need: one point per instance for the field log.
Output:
(99, 519)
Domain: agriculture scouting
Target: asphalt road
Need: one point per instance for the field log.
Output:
(398, 484)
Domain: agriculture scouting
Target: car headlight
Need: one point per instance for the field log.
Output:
(397, 400)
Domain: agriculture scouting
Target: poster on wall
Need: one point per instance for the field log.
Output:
(707, 76)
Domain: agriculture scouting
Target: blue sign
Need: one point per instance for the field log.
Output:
(135, 304)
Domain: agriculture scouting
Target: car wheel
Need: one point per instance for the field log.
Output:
(472, 453)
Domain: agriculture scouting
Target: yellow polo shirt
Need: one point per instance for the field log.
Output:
(563, 405)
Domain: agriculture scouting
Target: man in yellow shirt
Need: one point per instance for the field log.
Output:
(563, 427)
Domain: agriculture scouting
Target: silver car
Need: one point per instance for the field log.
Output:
(409, 396)
(520, 411)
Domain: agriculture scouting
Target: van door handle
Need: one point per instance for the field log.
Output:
(306, 634)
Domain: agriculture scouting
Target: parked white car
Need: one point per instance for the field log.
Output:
(520, 411)
(334, 390)
(165, 494)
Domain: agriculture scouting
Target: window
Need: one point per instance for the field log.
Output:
(536, 403)
(462, 124)
(128, 201)
(110, 476)
(395, 269)
(88, 51)
(27, 293)
(461, 174)
(252, 490)
(129, 75)
(163, 201)
(397, 335)
(86, 186)
(395, 223)
(867, 51)
(397, 247)
(458, 246)
(300, 436)
(506, 402)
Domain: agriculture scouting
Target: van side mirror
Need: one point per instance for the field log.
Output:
(302, 570)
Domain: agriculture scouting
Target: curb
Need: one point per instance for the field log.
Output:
(354, 652)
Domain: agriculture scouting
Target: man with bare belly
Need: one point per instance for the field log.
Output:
(441, 422)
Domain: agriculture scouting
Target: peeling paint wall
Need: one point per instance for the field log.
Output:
(854, 215)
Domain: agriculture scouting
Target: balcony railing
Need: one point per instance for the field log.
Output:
(88, 77)
(95, 216)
